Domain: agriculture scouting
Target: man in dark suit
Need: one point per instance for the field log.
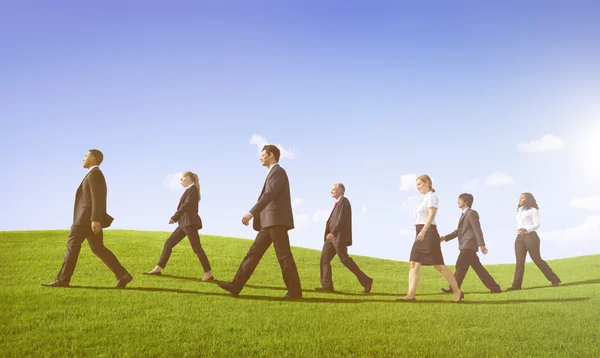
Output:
(470, 240)
(273, 219)
(89, 218)
(338, 236)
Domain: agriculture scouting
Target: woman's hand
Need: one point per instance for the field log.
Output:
(421, 235)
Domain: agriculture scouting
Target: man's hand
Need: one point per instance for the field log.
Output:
(246, 219)
(483, 249)
(96, 227)
(329, 236)
(521, 231)
(442, 238)
(171, 221)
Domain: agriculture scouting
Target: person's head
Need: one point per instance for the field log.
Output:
(338, 190)
(465, 200)
(527, 201)
(270, 155)
(424, 184)
(92, 157)
(188, 178)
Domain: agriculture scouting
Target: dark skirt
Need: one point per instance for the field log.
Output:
(429, 251)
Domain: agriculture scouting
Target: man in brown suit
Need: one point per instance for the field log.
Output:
(272, 219)
(470, 240)
(338, 236)
(89, 218)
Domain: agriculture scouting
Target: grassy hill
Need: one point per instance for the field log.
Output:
(178, 315)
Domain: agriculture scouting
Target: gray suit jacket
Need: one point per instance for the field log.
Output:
(340, 221)
(274, 205)
(470, 236)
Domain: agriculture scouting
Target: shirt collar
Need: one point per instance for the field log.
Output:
(92, 167)
(340, 198)
(189, 186)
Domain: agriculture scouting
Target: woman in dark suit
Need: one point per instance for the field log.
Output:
(188, 224)
(528, 221)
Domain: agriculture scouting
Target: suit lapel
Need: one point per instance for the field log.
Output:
(464, 216)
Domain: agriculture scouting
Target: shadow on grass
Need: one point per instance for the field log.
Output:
(328, 300)
(277, 288)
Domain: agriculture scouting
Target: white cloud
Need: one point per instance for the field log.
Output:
(472, 185)
(405, 232)
(589, 231)
(321, 216)
(547, 144)
(261, 141)
(172, 181)
(301, 221)
(407, 181)
(499, 179)
(297, 201)
(411, 203)
(589, 203)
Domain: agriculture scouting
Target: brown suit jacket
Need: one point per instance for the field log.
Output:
(90, 200)
(470, 236)
(274, 205)
(340, 221)
(187, 209)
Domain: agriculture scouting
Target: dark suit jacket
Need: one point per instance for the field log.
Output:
(469, 232)
(340, 221)
(90, 200)
(274, 205)
(187, 210)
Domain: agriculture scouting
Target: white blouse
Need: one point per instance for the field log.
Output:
(429, 200)
(528, 219)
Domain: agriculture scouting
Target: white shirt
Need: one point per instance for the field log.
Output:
(92, 167)
(271, 167)
(429, 200)
(189, 186)
(338, 199)
(528, 219)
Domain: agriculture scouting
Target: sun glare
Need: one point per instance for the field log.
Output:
(590, 149)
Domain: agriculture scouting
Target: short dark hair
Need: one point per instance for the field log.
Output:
(97, 154)
(270, 148)
(467, 198)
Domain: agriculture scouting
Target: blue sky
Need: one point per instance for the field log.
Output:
(491, 99)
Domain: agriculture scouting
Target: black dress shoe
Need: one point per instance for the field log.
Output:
(291, 297)
(56, 283)
(324, 289)
(368, 286)
(447, 290)
(123, 281)
(227, 286)
(496, 290)
(462, 295)
(555, 283)
(513, 288)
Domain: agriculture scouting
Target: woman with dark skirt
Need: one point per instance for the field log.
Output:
(188, 224)
(528, 221)
(427, 250)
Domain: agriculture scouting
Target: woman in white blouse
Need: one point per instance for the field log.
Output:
(427, 250)
(528, 221)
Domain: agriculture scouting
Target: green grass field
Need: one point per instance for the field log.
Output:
(178, 315)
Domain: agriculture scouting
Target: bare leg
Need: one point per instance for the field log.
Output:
(413, 280)
(445, 271)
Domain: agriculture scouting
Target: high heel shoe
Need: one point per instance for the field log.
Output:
(462, 295)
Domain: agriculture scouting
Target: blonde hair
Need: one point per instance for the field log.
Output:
(194, 177)
(427, 180)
